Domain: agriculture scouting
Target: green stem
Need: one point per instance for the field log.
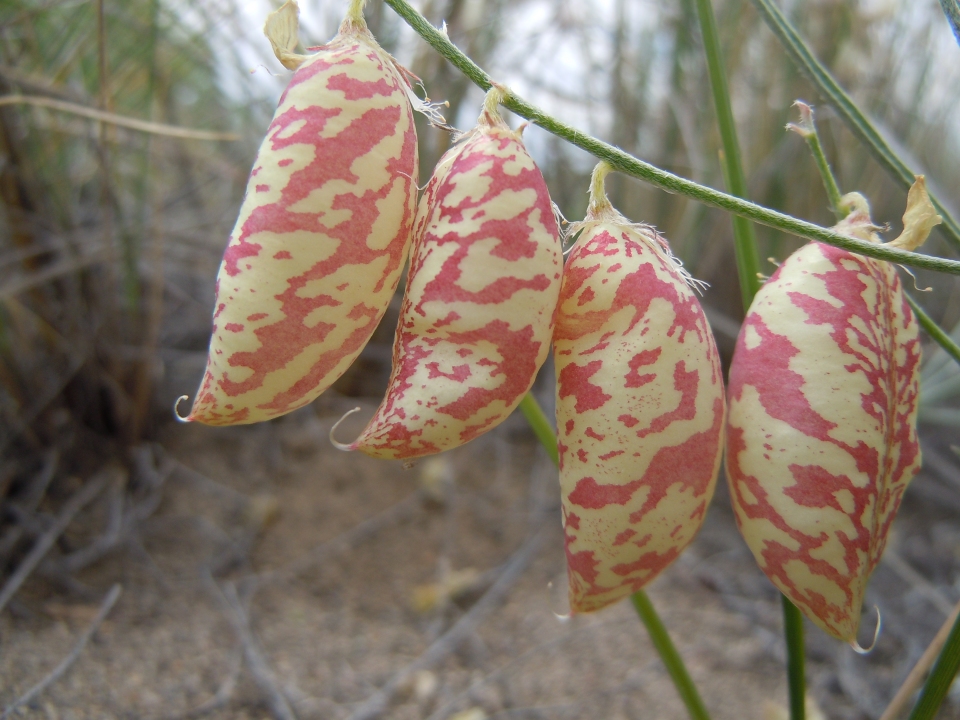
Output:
(807, 129)
(941, 678)
(939, 335)
(745, 242)
(670, 656)
(951, 8)
(629, 165)
(541, 426)
(748, 266)
(658, 633)
(793, 632)
(858, 123)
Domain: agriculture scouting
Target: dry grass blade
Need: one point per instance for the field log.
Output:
(919, 671)
(118, 120)
(60, 670)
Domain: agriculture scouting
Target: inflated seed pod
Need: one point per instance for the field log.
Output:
(323, 232)
(481, 294)
(640, 407)
(821, 434)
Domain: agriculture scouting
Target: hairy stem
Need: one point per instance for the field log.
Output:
(629, 165)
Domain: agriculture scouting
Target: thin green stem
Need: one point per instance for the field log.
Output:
(629, 165)
(541, 426)
(940, 679)
(951, 8)
(745, 242)
(807, 129)
(658, 632)
(793, 633)
(937, 333)
(670, 656)
(829, 184)
(858, 123)
(748, 266)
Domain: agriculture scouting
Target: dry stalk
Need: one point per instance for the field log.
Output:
(60, 670)
(448, 642)
(75, 504)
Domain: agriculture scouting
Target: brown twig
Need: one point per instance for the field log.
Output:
(75, 504)
(910, 685)
(60, 670)
(342, 542)
(223, 694)
(258, 665)
(33, 496)
(450, 640)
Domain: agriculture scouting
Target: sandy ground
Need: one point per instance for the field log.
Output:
(348, 575)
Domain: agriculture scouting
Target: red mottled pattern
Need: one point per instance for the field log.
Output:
(477, 316)
(821, 439)
(640, 412)
(322, 236)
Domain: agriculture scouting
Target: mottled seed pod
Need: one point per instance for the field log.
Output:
(477, 315)
(640, 407)
(821, 435)
(323, 232)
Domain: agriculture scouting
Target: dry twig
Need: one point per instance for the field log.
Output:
(75, 504)
(919, 671)
(450, 640)
(223, 694)
(119, 120)
(60, 670)
(344, 541)
(258, 665)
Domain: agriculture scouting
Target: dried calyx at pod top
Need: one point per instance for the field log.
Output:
(477, 314)
(323, 232)
(640, 406)
(821, 436)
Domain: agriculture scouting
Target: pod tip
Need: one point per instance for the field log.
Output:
(346, 447)
(876, 634)
(176, 409)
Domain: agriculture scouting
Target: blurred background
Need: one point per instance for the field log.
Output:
(110, 240)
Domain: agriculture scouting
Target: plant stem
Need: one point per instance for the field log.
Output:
(851, 114)
(793, 621)
(793, 633)
(951, 8)
(748, 267)
(936, 332)
(629, 165)
(940, 680)
(745, 242)
(669, 655)
(541, 426)
(807, 129)
(658, 632)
